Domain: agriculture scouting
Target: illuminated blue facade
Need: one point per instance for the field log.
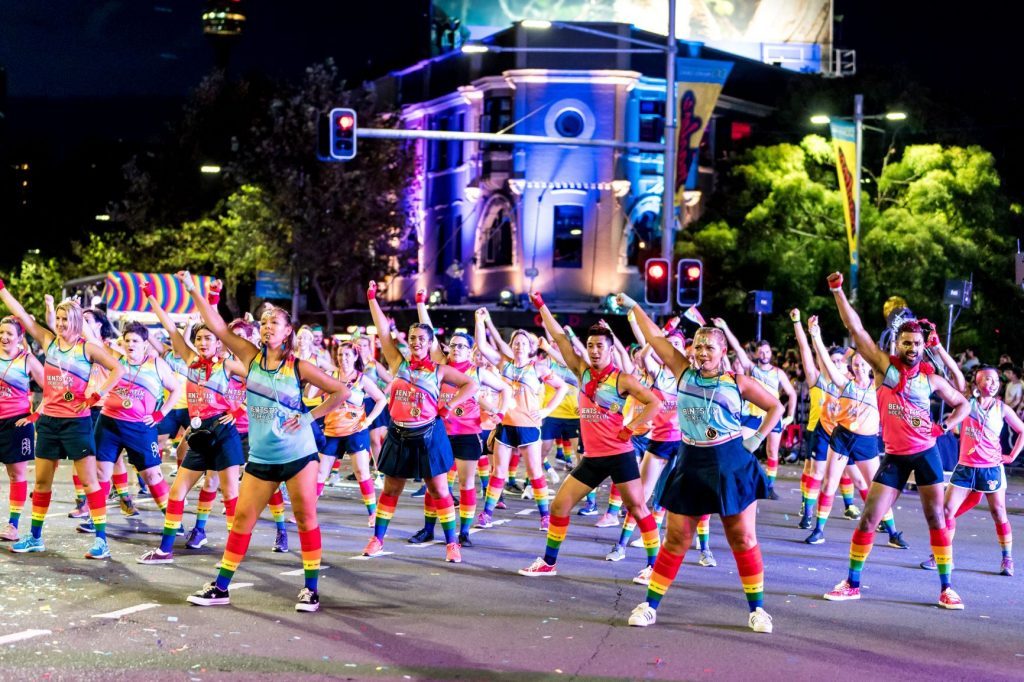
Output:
(574, 222)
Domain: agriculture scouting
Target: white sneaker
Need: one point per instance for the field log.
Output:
(638, 542)
(553, 476)
(707, 559)
(378, 482)
(644, 576)
(760, 621)
(527, 493)
(643, 615)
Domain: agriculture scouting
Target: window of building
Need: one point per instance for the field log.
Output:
(446, 154)
(497, 117)
(568, 237)
(495, 246)
(449, 240)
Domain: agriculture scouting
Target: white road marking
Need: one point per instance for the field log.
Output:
(24, 634)
(125, 612)
(367, 558)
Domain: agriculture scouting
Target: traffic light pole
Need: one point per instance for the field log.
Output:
(668, 198)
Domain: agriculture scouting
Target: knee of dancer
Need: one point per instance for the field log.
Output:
(936, 518)
(741, 541)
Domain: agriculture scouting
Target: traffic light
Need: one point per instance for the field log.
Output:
(690, 284)
(656, 281)
(342, 134)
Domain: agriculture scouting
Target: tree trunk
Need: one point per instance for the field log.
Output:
(326, 300)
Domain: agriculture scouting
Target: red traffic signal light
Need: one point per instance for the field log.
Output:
(690, 287)
(342, 135)
(656, 282)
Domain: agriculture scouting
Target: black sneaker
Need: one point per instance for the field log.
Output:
(464, 540)
(209, 595)
(815, 538)
(351, 477)
(896, 540)
(513, 487)
(422, 535)
(309, 600)
(772, 495)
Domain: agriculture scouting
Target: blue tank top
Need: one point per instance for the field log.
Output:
(272, 398)
(709, 409)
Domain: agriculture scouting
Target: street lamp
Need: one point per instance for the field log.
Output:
(858, 119)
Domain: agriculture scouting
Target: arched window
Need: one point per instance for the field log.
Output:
(495, 233)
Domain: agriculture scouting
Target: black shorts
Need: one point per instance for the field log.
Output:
(337, 446)
(665, 449)
(225, 452)
(279, 473)
(419, 452)
(896, 469)
(485, 437)
(466, 447)
(137, 439)
(17, 443)
(857, 447)
(173, 422)
(820, 440)
(65, 437)
(553, 428)
(517, 436)
(318, 434)
(592, 471)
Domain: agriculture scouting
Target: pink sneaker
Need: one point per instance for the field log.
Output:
(545, 521)
(950, 600)
(607, 521)
(9, 533)
(374, 547)
(843, 592)
(538, 568)
(484, 520)
(453, 553)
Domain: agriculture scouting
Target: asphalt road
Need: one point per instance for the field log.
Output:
(409, 615)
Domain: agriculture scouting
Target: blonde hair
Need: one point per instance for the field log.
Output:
(714, 332)
(73, 311)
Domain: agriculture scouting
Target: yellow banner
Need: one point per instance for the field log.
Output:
(844, 142)
(699, 82)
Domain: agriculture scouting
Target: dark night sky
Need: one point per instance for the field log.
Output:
(140, 57)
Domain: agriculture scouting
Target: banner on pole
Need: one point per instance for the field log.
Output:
(123, 292)
(844, 142)
(698, 84)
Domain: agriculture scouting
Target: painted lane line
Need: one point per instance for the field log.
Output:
(24, 634)
(124, 612)
(367, 558)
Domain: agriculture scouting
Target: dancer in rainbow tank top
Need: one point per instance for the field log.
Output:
(18, 368)
(282, 447)
(904, 388)
(416, 444)
(606, 434)
(717, 472)
(64, 427)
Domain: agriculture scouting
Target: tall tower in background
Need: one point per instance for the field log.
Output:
(223, 23)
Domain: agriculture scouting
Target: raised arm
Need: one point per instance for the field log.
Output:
(558, 334)
(492, 356)
(392, 355)
(651, 333)
(811, 372)
(934, 345)
(499, 343)
(178, 342)
(436, 354)
(734, 343)
(243, 350)
(833, 373)
(866, 346)
(42, 336)
(51, 313)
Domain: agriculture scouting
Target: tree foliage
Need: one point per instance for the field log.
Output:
(936, 213)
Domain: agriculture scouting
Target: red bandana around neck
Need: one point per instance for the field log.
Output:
(424, 365)
(204, 363)
(596, 377)
(461, 366)
(907, 372)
